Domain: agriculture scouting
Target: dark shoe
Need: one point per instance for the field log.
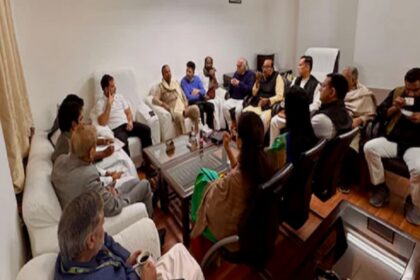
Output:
(150, 172)
(344, 188)
(380, 196)
(411, 212)
(162, 234)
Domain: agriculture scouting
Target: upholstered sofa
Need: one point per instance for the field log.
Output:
(41, 208)
(141, 235)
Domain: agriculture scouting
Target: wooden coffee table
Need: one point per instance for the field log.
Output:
(177, 173)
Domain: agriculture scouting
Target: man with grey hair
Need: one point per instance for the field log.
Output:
(74, 173)
(88, 252)
(361, 104)
(240, 87)
(359, 100)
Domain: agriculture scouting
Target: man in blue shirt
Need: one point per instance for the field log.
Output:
(87, 252)
(196, 94)
(240, 86)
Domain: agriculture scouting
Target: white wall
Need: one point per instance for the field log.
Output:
(62, 43)
(387, 43)
(12, 254)
(378, 36)
(281, 29)
(327, 23)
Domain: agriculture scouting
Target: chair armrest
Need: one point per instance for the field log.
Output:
(128, 216)
(141, 235)
(143, 112)
(159, 110)
(39, 268)
(146, 115)
(369, 131)
(219, 244)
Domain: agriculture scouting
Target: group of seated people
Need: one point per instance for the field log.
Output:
(91, 185)
(299, 114)
(344, 104)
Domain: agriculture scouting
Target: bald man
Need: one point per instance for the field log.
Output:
(240, 86)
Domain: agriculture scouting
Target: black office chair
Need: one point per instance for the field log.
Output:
(258, 228)
(298, 190)
(328, 170)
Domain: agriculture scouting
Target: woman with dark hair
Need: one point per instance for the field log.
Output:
(225, 199)
(300, 134)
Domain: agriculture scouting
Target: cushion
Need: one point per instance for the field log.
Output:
(39, 268)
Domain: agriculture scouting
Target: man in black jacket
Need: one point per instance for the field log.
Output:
(332, 118)
(400, 111)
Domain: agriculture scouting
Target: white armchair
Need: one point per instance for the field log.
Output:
(41, 208)
(167, 127)
(142, 235)
(325, 61)
(127, 86)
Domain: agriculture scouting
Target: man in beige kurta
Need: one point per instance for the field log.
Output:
(360, 102)
(170, 96)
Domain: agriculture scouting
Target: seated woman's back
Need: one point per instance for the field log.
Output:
(300, 134)
(224, 200)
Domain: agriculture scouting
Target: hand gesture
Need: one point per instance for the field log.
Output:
(148, 271)
(115, 175)
(212, 73)
(132, 259)
(399, 102)
(234, 82)
(195, 91)
(108, 151)
(111, 97)
(164, 105)
(282, 114)
(264, 102)
(415, 117)
(129, 126)
(258, 76)
(113, 191)
(227, 138)
(357, 122)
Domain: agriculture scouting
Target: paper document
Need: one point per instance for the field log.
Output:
(118, 145)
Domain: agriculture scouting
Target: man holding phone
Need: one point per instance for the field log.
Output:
(400, 111)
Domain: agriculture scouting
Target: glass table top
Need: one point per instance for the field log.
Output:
(159, 154)
(182, 175)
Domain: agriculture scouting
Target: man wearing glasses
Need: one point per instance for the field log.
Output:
(267, 90)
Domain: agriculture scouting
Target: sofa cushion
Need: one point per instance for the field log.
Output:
(41, 207)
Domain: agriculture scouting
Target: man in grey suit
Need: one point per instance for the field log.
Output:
(74, 174)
